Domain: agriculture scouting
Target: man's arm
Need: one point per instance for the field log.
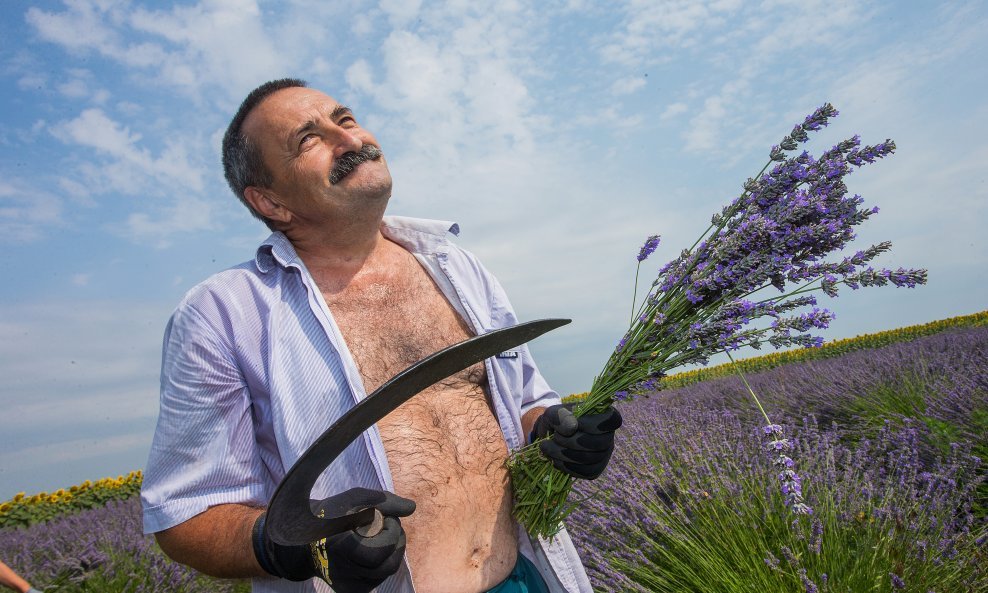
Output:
(528, 421)
(216, 542)
(9, 578)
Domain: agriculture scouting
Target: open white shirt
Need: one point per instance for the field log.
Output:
(254, 369)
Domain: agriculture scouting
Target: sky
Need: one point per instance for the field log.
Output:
(558, 134)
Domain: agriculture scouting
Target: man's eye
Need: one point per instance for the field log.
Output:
(305, 139)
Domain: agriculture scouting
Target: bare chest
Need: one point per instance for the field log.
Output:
(444, 446)
(390, 324)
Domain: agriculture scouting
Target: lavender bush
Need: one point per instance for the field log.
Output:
(101, 549)
(690, 501)
(939, 381)
(759, 259)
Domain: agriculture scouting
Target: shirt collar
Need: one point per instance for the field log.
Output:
(418, 235)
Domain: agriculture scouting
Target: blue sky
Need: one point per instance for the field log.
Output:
(559, 134)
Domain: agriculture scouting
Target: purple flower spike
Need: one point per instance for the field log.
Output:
(790, 483)
(648, 248)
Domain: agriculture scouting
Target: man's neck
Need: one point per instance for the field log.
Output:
(337, 253)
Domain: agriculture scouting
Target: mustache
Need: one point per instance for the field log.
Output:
(349, 161)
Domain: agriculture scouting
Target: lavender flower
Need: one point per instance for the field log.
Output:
(807, 582)
(789, 481)
(648, 248)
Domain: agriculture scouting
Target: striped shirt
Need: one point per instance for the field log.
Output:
(254, 369)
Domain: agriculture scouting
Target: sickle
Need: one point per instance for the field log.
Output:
(289, 518)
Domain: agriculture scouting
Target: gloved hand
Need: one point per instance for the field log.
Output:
(580, 447)
(348, 562)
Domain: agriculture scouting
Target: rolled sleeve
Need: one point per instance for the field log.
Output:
(536, 392)
(204, 451)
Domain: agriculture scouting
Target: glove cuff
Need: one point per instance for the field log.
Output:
(260, 550)
(295, 563)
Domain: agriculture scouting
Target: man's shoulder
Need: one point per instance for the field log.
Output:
(236, 283)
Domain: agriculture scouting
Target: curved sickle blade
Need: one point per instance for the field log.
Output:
(290, 520)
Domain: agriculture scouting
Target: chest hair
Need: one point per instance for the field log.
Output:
(394, 319)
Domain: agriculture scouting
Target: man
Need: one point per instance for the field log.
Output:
(260, 359)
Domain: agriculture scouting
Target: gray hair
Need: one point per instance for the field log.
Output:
(243, 164)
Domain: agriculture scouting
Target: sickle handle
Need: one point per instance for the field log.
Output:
(372, 528)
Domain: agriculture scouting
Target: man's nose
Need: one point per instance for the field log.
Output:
(345, 141)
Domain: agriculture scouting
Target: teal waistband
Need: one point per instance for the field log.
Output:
(524, 578)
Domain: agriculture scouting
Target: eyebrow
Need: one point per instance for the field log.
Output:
(338, 112)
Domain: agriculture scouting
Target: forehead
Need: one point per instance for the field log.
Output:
(282, 111)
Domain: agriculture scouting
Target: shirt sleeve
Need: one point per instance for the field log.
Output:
(204, 452)
(535, 391)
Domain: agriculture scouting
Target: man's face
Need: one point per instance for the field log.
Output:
(307, 141)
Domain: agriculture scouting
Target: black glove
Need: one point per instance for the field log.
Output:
(580, 447)
(348, 562)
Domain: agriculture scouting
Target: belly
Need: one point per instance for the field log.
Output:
(447, 453)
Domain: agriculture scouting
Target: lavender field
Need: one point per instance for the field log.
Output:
(889, 443)
(103, 550)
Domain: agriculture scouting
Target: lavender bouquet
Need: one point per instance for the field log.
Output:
(760, 259)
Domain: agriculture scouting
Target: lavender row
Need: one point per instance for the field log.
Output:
(691, 502)
(941, 380)
(100, 549)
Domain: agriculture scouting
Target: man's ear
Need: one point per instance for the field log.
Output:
(265, 202)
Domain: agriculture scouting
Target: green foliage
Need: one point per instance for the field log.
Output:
(902, 400)
(712, 518)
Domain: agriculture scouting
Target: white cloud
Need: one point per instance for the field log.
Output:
(401, 12)
(216, 43)
(131, 168)
(81, 384)
(704, 129)
(674, 110)
(185, 214)
(30, 82)
(627, 85)
(79, 84)
(445, 93)
(94, 129)
(652, 26)
(26, 212)
(74, 88)
(82, 27)
(741, 43)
